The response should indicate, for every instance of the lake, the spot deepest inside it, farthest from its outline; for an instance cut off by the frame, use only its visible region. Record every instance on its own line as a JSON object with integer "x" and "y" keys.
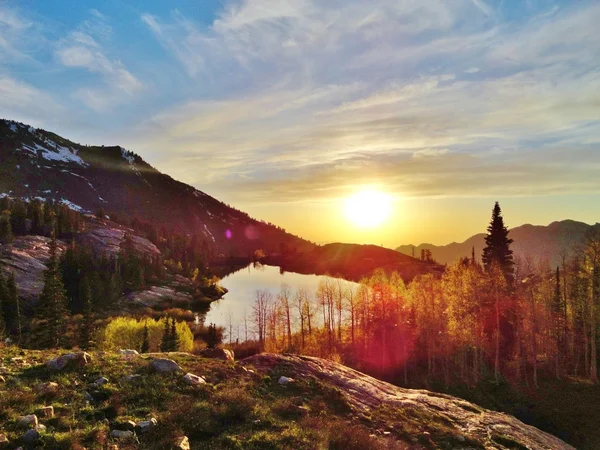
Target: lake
{"x": 242, "y": 286}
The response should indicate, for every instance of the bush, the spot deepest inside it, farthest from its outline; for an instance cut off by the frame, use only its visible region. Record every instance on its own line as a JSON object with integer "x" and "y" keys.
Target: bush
{"x": 127, "y": 332}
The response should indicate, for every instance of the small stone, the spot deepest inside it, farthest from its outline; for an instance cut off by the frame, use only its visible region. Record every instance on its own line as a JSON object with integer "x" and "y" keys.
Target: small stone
{"x": 31, "y": 436}
{"x": 192, "y": 379}
{"x": 2, "y": 379}
{"x": 30, "y": 420}
{"x": 145, "y": 425}
{"x": 41, "y": 427}
{"x": 3, "y": 439}
{"x": 113, "y": 447}
{"x": 47, "y": 388}
{"x": 285, "y": 380}
{"x": 100, "y": 381}
{"x": 47, "y": 411}
{"x": 460, "y": 438}
{"x": 217, "y": 353}
{"x": 386, "y": 433}
{"x": 120, "y": 434}
{"x": 182, "y": 443}
{"x": 132, "y": 377}
{"x": 129, "y": 353}
{"x": 164, "y": 365}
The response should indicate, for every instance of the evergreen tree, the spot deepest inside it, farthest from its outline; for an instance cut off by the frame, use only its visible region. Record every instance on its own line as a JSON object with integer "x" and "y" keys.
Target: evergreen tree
{"x": 18, "y": 217}
{"x": 497, "y": 248}
{"x": 174, "y": 338}
{"x": 146, "y": 339}
{"x": 13, "y": 308}
{"x": 52, "y": 307}
{"x": 6, "y": 235}
{"x": 87, "y": 324}
{"x": 3, "y": 299}
{"x": 166, "y": 337}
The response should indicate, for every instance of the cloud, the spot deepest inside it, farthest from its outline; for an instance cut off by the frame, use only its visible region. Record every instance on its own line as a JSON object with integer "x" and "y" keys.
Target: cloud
{"x": 81, "y": 49}
{"x": 21, "y": 101}
{"x": 430, "y": 98}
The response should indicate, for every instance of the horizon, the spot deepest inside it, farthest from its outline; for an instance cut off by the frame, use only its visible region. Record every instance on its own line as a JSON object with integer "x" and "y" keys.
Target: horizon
{"x": 286, "y": 110}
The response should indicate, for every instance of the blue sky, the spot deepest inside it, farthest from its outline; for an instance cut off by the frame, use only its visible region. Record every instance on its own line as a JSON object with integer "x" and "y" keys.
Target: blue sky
{"x": 283, "y": 107}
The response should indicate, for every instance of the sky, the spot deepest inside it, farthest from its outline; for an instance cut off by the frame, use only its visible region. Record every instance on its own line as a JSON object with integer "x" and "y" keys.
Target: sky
{"x": 284, "y": 108}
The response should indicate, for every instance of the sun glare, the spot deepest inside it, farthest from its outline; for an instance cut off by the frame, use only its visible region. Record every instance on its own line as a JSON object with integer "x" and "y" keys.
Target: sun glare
{"x": 368, "y": 208}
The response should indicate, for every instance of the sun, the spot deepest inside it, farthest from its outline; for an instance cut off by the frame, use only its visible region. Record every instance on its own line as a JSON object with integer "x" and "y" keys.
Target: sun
{"x": 368, "y": 208}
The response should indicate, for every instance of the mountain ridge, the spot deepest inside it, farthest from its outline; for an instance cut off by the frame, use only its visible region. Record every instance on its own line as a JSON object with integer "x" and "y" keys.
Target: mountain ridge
{"x": 543, "y": 243}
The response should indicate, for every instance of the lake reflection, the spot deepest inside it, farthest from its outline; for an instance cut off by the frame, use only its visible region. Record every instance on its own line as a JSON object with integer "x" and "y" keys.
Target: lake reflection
{"x": 242, "y": 286}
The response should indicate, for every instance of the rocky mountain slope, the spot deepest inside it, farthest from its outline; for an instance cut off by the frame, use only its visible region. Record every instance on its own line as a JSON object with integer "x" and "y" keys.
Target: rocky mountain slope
{"x": 542, "y": 243}
{"x": 177, "y": 400}
{"x": 39, "y": 164}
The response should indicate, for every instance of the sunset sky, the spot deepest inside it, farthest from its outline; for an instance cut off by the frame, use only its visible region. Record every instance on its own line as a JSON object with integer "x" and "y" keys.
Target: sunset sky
{"x": 284, "y": 108}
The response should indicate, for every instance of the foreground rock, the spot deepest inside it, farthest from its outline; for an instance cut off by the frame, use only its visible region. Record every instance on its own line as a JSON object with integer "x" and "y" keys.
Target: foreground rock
{"x": 364, "y": 393}
{"x": 163, "y": 365}
{"x": 218, "y": 353}
{"x": 26, "y": 259}
{"x": 78, "y": 359}
{"x": 193, "y": 380}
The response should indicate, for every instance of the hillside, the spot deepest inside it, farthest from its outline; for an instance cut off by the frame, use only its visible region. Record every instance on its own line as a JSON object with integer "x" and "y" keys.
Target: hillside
{"x": 542, "y": 243}
{"x": 355, "y": 261}
{"x": 146, "y": 402}
{"x": 39, "y": 164}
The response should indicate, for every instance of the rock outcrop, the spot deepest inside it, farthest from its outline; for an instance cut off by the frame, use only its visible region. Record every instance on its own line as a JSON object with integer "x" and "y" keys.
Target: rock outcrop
{"x": 26, "y": 259}
{"x": 364, "y": 394}
{"x": 157, "y": 295}
{"x": 107, "y": 240}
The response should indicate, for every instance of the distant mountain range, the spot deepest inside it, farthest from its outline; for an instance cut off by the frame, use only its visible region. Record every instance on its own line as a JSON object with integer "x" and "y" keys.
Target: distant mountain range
{"x": 541, "y": 243}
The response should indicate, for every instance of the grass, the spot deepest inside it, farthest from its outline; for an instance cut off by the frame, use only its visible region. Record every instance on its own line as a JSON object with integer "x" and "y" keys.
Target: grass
{"x": 235, "y": 410}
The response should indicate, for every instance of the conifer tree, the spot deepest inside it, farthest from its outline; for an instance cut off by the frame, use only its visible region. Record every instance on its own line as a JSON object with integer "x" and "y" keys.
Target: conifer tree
{"x": 174, "y": 338}
{"x": 87, "y": 324}
{"x": 146, "y": 339}
{"x": 6, "y": 235}
{"x": 52, "y": 307}
{"x": 13, "y": 308}
{"x": 165, "y": 342}
{"x": 497, "y": 250}
{"x": 3, "y": 299}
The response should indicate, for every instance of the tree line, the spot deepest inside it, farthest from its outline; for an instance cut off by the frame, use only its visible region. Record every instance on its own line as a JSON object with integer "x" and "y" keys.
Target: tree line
{"x": 502, "y": 318}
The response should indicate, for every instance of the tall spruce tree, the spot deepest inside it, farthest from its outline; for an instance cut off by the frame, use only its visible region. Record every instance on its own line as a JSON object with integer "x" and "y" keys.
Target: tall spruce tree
{"x": 87, "y": 323}
{"x": 13, "y": 317}
{"x": 497, "y": 249}
{"x": 145, "y": 339}
{"x": 174, "y": 342}
{"x": 3, "y": 299}
{"x": 6, "y": 235}
{"x": 52, "y": 308}
{"x": 165, "y": 343}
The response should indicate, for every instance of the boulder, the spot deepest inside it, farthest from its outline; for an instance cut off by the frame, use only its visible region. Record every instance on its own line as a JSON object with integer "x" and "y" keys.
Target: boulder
{"x": 285, "y": 380}
{"x": 132, "y": 377}
{"x": 164, "y": 365}
{"x": 120, "y": 434}
{"x": 47, "y": 388}
{"x": 47, "y": 411}
{"x": 193, "y": 380}
{"x": 218, "y": 353}
{"x": 182, "y": 443}
{"x": 78, "y": 359}
{"x": 129, "y": 353}
{"x": 101, "y": 381}
{"x": 29, "y": 421}
{"x": 145, "y": 425}
{"x": 31, "y": 436}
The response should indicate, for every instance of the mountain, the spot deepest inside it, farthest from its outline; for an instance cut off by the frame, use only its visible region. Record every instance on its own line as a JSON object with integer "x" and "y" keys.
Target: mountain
{"x": 39, "y": 164}
{"x": 542, "y": 243}
{"x": 267, "y": 401}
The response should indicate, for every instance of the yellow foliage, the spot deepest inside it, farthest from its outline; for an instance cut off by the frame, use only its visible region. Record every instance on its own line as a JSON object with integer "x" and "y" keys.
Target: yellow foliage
{"x": 127, "y": 332}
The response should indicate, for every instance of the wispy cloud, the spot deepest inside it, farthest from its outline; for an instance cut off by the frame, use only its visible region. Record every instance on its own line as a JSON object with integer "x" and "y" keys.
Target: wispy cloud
{"x": 81, "y": 49}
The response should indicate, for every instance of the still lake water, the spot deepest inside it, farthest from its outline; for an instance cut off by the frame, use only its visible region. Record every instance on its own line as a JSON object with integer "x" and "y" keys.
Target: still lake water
{"x": 242, "y": 286}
